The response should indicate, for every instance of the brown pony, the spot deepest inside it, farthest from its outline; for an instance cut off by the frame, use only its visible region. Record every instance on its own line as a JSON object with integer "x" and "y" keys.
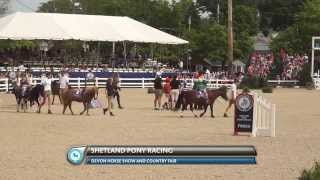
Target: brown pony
{"x": 85, "y": 96}
{"x": 189, "y": 97}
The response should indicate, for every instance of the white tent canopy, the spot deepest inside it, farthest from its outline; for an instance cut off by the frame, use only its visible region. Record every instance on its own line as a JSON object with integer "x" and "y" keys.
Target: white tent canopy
{"x": 52, "y": 26}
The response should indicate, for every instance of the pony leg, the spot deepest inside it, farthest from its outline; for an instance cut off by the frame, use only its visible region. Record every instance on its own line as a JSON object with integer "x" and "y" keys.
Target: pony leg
{"x": 205, "y": 110}
{"x": 70, "y": 109}
{"x": 60, "y": 99}
{"x": 184, "y": 107}
{"x": 53, "y": 99}
{"x": 24, "y": 106}
{"x": 64, "y": 108}
{"x": 191, "y": 109}
{"x": 39, "y": 106}
{"x": 181, "y": 113}
{"x": 87, "y": 107}
{"x": 227, "y": 109}
{"x": 18, "y": 105}
{"x": 84, "y": 108}
{"x": 211, "y": 109}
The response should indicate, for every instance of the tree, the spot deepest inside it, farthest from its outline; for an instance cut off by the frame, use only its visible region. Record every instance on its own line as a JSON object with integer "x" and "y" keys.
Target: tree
{"x": 278, "y": 14}
{"x": 297, "y": 37}
{"x": 209, "y": 42}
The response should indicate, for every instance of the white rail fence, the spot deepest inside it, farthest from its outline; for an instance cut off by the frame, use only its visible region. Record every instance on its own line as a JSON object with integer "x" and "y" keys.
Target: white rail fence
{"x": 6, "y": 86}
{"x": 264, "y": 115}
{"x": 284, "y": 82}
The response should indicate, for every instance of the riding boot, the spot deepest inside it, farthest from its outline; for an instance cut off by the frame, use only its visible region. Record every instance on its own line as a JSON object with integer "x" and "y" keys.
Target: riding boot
{"x": 49, "y": 111}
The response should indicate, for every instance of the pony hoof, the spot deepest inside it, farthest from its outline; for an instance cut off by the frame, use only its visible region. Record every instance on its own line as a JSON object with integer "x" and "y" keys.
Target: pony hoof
{"x": 196, "y": 116}
{"x": 181, "y": 116}
{"x": 212, "y": 116}
{"x": 225, "y": 115}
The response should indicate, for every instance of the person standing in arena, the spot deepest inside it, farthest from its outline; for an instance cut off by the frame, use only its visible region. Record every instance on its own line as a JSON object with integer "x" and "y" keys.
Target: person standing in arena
{"x": 116, "y": 88}
{"x": 158, "y": 92}
{"x": 64, "y": 81}
{"x": 232, "y": 93}
{"x": 167, "y": 92}
{"x": 110, "y": 94}
{"x": 46, "y": 80}
{"x": 175, "y": 89}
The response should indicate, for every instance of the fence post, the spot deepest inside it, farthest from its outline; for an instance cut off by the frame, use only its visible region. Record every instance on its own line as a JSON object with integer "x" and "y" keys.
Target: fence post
{"x": 143, "y": 83}
{"x": 97, "y": 82}
{"x": 79, "y": 80}
{"x": 7, "y": 84}
{"x": 254, "y": 123}
{"x": 273, "y": 121}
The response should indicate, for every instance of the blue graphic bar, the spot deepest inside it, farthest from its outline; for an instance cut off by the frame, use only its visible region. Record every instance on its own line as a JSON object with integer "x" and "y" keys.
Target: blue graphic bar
{"x": 112, "y": 160}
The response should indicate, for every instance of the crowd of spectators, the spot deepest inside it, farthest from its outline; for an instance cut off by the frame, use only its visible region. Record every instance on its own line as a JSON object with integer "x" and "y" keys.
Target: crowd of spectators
{"x": 292, "y": 65}
{"x": 260, "y": 64}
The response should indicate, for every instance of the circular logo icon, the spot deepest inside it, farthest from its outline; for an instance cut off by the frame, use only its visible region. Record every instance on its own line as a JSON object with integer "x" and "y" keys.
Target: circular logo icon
{"x": 75, "y": 156}
{"x": 244, "y": 102}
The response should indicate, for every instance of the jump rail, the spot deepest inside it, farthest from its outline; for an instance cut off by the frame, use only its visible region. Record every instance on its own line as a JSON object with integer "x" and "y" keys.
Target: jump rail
{"x": 6, "y": 86}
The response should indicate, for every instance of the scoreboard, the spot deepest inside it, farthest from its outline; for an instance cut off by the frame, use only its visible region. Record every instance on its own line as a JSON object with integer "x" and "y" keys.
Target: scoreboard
{"x": 161, "y": 155}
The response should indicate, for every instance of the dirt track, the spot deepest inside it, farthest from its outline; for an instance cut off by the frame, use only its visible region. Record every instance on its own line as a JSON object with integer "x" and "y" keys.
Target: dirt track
{"x": 33, "y": 146}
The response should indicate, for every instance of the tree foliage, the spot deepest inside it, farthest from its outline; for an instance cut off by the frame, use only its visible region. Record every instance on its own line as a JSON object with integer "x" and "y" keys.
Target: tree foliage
{"x": 297, "y": 37}
{"x": 207, "y": 38}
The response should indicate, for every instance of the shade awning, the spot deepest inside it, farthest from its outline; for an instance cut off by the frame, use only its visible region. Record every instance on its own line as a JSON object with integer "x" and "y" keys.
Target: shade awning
{"x": 53, "y": 26}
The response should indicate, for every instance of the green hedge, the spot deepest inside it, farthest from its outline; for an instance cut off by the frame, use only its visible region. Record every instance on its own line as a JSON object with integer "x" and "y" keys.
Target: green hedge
{"x": 253, "y": 82}
{"x": 267, "y": 90}
{"x": 304, "y": 75}
{"x": 311, "y": 174}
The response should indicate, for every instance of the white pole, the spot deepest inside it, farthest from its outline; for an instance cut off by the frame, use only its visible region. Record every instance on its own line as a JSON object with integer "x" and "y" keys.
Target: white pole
{"x": 273, "y": 122}
{"x": 97, "y": 82}
{"x": 312, "y": 57}
{"x": 7, "y": 84}
{"x": 254, "y": 123}
{"x": 125, "y": 53}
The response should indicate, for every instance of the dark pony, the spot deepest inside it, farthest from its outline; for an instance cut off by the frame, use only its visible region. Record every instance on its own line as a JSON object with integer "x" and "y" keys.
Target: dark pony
{"x": 85, "y": 96}
{"x": 190, "y": 98}
{"x": 55, "y": 90}
{"x": 25, "y": 94}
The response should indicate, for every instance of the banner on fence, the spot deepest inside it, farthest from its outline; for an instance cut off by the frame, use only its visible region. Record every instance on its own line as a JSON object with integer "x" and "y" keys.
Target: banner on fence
{"x": 243, "y": 119}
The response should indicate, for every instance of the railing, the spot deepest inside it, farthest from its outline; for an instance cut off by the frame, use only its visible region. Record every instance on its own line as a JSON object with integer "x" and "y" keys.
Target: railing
{"x": 5, "y": 86}
{"x": 283, "y": 82}
{"x": 56, "y": 69}
{"x": 264, "y": 115}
